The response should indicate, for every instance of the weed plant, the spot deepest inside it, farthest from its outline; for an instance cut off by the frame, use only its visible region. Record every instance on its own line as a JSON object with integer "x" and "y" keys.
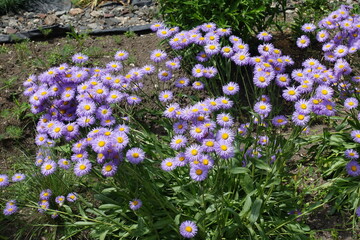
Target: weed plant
{"x": 152, "y": 152}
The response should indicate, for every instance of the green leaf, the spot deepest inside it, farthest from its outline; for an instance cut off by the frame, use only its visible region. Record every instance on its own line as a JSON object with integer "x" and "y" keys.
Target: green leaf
{"x": 84, "y": 223}
{"x": 109, "y": 206}
{"x": 255, "y": 210}
{"x": 238, "y": 170}
{"x": 246, "y": 207}
{"x": 261, "y": 164}
{"x": 246, "y": 183}
{"x": 102, "y": 236}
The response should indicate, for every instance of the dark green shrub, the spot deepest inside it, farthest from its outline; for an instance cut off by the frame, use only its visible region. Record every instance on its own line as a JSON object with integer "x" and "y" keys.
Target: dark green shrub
{"x": 10, "y": 5}
{"x": 243, "y": 16}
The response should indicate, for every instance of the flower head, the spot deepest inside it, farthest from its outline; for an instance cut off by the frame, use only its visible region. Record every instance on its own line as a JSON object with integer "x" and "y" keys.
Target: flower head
{"x": 18, "y": 177}
{"x": 135, "y": 204}
{"x": 188, "y": 229}
{"x": 4, "y": 180}
{"x": 135, "y": 155}
{"x": 353, "y": 168}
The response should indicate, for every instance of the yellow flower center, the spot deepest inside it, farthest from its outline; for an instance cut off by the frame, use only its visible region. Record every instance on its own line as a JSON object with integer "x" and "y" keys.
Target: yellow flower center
{"x": 194, "y": 152}
{"x": 198, "y": 172}
{"x": 82, "y": 167}
{"x": 135, "y": 155}
{"x": 101, "y": 143}
{"x": 169, "y": 164}
{"x": 301, "y": 117}
{"x": 48, "y": 167}
{"x": 108, "y": 168}
{"x": 224, "y": 147}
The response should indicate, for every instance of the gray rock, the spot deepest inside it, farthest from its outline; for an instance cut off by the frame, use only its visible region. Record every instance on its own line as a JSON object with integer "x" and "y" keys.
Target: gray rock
{"x": 95, "y": 26}
{"x": 9, "y": 30}
{"x": 75, "y": 11}
{"x": 59, "y": 13}
{"x": 12, "y": 22}
{"x": 29, "y": 14}
{"x": 50, "y": 19}
{"x": 36, "y": 20}
{"x": 66, "y": 18}
{"x": 112, "y": 21}
{"x": 96, "y": 14}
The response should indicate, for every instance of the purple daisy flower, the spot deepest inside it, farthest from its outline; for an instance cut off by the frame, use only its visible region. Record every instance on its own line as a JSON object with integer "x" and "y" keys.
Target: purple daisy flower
{"x": 9, "y": 210}
{"x": 351, "y": 103}
{"x": 182, "y": 82}
{"x": 198, "y": 172}
{"x": 231, "y": 88}
{"x": 165, "y": 96}
{"x": 168, "y": 164}
{"x": 303, "y": 41}
{"x": 193, "y": 152}
{"x": 197, "y": 85}
{"x": 227, "y": 51}
{"x": 82, "y": 167}
{"x": 121, "y": 55}
{"x": 197, "y": 70}
{"x": 324, "y": 92}
{"x": 109, "y": 169}
{"x": 300, "y": 119}
{"x": 64, "y": 163}
{"x": 60, "y": 200}
{"x": 262, "y": 108}
{"x": 178, "y": 141}
{"x": 135, "y": 155}
{"x": 18, "y": 177}
{"x": 79, "y": 58}
{"x": 341, "y": 51}
{"x": 133, "y": 100}
{"x": 353, "y": 168}
{"x": 303, "y": 106}
{"x": 291, "y": 94}
{"x": 225, "y": 134}
{"x": 261, "y": 79}
{"x": 158, "y": 56}
{"x": 241, "y": 58}
{"x": 224, "y": 149}
{"x": 351, "y": 154}
{"x": 224, "y": 120}
{"x": 355, "y": 134}
{"x": 135, "y": 204}
{"x": 308, "y": 27}
{"x": 188, "y": 229}
{"x": 48, "y": 167}
{"x": 45, "y": 194}
{"x": 264, "y": 36}
{"x": 358, "y": 211}
{"x": 71, "y": 197}
{"x": 156, "y": 26}
{"x": 322, "y": 36}
{"x": 4, "y": 180}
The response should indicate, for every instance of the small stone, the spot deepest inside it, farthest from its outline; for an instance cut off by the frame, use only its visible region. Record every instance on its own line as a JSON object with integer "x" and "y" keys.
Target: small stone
{"x": 93, "y": 26}
{"x": 75, "y": 11}
{"x": 108, "y": 15}
{"x": 21, "y": 19}
{"x": 50, "y": 19}
{"x": 112, "y": 21}
{"x": 9, "y": 30}
{"x": 36, "y": 20}
{"x": 41, "y": 15}
{"x": 12, "y": 23}
{"x": 96, "y": 14}
{"x": 29, "y": 14}
{"x": 59, "y": 13}
{"x": 66, "y": 18}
